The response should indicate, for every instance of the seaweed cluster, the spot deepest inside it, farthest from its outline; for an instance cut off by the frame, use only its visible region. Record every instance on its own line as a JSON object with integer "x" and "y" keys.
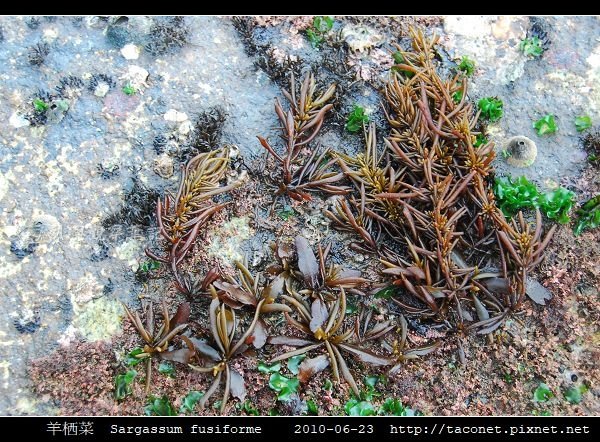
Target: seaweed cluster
{"x": 37, "y": 53}
{"x": 167, "y": 34}
{"x": 424, "y": 206}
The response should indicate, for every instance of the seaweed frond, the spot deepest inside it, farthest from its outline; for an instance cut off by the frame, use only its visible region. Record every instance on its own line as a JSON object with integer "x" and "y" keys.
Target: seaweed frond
{"x": 181, "y": 216}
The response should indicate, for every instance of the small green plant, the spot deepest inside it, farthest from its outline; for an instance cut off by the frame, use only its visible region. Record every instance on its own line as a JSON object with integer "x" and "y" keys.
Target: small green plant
{"x": 399, "y": 59}
{"x": 128, "y": 89}
{"x": 149, "y": 266}
{"x": 167, "y": 369}
{"x": 542, "y": 393}
{"x": 312, "y": 407}
{"x": 355, "y": 407}
{"x": 370, "y": 392}
{"x": 531, "y": 47}
{"x": 541, "y": 413}
{"x": 574, "y": 394}
{"x": 480, "y": 140}
{"x": 321, "y": 26}
{"x": 467, "y": 66}
{"x": 189, "y": 402}
{"x": 387, "y": 292}
{"x": 356, "y": 119}
{"x": 516, "y": 194}
{"x": 588, "y": 216}
{"x": 123, "y": 384}
{"x": 491, "y": 108}
{"x": 557, "y": 204}
{"x": 286, "y": 213}
{"x": 285, "y": 387}
{"x": 394, "y": 407}
{"x": 351, "y": 308}
{"x": 131, "y": 360}
{"x": 327, "y": 385}
{"x": 266, "y": 368}
{"x": 545, "y": 125}
{"x": 293, "y": 362}
{"x": 40, "y": 105}
{"x": 249, "y": 409}
{"x": 583, "y": 123}
{"x": 159, "y": 406}
{"x": 457, "y": 96}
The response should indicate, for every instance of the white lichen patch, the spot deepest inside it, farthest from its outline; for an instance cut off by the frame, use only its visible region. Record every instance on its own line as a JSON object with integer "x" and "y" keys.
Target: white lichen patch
{"x": 85, "y": 288}
{"x": 26, "y": 405}
{"x": 17, "y": 120}
{"x": 226, "y": 240}
{"x": 129, "y": 251}
{"x": 3, "y": 186}
{"x": 5, "y": 373}
{"x": 130, "y": 51}
{"x": 9, "y": 268}
{"x": 163, "y": 166}
{"x": 54, "y": 175}
{"x": 361, "y": 38}
{"x": 175, "y": 116}
{"x": 98, "y": 319}
{"x": 492, "y": 41}
{"x": 136, "y": 76}
{"x": 102, "y": 89}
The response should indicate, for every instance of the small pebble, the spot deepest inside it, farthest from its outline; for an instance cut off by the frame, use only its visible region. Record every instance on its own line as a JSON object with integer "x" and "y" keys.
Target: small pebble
{"x": 130, "y": 52}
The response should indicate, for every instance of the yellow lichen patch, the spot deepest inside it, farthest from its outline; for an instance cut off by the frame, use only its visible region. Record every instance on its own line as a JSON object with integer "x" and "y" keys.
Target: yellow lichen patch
{"x": 26, "y": 405}
{"x": 98, "y": 319}
{"x": 226, "y": 240}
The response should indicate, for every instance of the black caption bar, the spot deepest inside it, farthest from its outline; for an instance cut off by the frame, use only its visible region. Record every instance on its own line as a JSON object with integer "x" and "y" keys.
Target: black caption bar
{"x": 305, "y": 428}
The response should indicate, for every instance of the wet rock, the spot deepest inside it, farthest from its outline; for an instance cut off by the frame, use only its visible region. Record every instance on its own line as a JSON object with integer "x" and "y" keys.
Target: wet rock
{"x": 94, "y": 22}
{"x": 119, "y": 104}
{"x": 84, "y": 289}
{"x": 521, "y": 151}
